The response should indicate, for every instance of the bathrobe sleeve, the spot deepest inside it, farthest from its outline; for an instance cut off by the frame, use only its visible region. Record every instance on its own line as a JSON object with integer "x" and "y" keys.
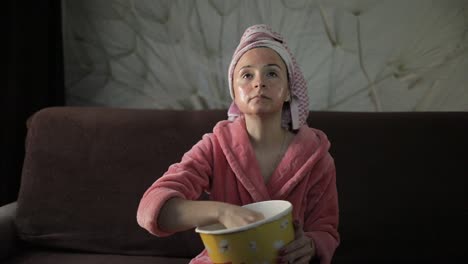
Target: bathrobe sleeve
{"x": 186, "y": 179}
{"x": 321, "y": 216}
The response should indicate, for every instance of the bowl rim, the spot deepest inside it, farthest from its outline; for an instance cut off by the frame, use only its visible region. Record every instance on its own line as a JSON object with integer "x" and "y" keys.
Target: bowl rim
{"x": 249, "y": 226}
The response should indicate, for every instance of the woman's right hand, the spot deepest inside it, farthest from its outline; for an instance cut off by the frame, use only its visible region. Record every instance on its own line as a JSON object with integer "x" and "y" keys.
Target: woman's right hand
{"x": 179, "y": 214}
{"x": 232, "y": 216}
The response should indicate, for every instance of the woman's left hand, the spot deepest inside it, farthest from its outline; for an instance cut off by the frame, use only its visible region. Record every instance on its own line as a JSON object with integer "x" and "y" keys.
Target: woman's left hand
{"x": 300, "y": 250}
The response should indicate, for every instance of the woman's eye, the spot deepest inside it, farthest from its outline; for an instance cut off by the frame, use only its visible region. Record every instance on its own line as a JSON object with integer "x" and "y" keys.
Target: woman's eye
{"x": 246, "y": 76}
{"x": 272, "y": 74}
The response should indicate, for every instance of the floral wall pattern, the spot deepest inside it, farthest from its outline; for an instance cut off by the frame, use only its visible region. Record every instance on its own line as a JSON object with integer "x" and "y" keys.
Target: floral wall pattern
{"x": 368, "y": 55}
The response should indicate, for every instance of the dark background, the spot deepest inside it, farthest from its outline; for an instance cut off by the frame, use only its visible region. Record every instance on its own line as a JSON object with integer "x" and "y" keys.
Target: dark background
{"x": 35, "y": 74}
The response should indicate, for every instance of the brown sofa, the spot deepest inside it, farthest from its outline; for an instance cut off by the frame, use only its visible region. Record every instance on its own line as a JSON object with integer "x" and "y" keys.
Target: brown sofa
{"x": 402, "y": 184}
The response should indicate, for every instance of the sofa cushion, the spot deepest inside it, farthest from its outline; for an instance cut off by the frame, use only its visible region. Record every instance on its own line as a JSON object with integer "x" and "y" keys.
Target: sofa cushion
{"x": 62, "y": 257}
{"x": 85, "y": 171}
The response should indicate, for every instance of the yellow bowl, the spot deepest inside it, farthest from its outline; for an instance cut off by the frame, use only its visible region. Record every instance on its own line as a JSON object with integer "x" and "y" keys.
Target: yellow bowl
{"x": 258, "y": 242}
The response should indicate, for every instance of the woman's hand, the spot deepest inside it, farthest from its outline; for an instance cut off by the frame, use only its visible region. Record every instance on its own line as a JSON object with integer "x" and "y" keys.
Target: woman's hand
{"x": 300, "y": 250}
{"x": 232, "y": 216}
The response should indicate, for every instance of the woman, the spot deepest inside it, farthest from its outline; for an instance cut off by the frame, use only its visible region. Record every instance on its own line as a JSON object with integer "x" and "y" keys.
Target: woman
{"x": 265, "y": 152}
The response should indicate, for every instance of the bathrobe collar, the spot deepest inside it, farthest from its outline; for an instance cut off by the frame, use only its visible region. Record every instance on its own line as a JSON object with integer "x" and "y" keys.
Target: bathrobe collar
{"x": 305, "y": 150}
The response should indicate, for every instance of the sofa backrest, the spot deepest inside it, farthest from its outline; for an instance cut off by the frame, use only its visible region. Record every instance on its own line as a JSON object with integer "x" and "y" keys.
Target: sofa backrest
{"x": 86, "y": 169}
{"x": 402, "y": 182}
{"x": 401, "y": 178}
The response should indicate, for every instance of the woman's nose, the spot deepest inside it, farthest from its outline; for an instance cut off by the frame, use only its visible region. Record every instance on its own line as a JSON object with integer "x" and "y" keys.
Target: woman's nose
{"x": 259, "y": 82}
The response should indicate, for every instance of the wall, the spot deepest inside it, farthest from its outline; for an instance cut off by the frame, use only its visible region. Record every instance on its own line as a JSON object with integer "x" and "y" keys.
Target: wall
{"x": 381, "y": 55}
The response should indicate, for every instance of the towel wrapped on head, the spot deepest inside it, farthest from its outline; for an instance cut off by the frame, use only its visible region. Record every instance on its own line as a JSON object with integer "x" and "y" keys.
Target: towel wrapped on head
{"x": 296, "y": 110}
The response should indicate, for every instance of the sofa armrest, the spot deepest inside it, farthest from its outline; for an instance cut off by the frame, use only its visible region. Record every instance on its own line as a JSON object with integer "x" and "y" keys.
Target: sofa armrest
{"x": 8, "y": 234}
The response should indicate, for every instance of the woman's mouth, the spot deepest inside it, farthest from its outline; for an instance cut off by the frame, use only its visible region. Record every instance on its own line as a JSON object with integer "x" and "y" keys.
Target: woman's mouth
{"x": 259, "y": 97}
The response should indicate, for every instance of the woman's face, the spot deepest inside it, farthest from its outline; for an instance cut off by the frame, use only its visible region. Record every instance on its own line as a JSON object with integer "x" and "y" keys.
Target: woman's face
{"x": 260, "y": 82}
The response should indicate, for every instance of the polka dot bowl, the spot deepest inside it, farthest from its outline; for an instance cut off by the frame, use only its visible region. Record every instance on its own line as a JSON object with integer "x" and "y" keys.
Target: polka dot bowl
{"x": 258, "y": 242}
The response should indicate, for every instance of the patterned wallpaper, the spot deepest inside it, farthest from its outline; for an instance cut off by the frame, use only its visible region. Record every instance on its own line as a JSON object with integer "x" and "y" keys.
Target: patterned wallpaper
{"x": 369, "y": 55}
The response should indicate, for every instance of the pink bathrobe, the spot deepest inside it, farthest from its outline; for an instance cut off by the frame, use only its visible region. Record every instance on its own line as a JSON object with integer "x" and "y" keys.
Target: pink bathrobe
{"x": 223, "y": 164}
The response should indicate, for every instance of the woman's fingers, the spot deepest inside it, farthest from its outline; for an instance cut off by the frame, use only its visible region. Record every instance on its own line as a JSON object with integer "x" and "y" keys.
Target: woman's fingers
{"x": 232, "y": 216}
{"x": 303, "y": 260}
{"x": 298, "y": 241}
{"x": 294, "y": 245}
{"x": 299, "y": 250}
{"x": 300, "y": 254}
